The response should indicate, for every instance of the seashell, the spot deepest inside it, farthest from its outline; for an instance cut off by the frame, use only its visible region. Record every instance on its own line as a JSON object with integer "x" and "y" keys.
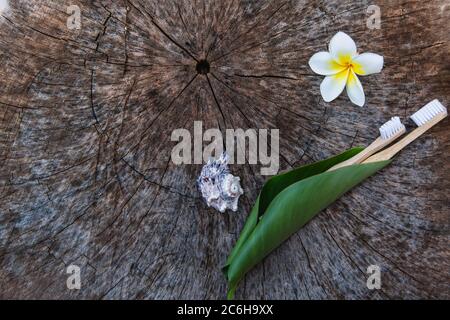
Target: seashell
{"x": 220, "y": 189}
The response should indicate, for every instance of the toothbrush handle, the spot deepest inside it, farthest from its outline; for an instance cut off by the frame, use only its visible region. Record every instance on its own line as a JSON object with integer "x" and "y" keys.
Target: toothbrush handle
{"x": 377, "y": 145}
{"x": 390, "y": 152}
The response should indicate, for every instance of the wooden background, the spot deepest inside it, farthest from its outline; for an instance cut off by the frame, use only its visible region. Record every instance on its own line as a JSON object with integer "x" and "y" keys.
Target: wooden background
{"x": 85, "y": 123}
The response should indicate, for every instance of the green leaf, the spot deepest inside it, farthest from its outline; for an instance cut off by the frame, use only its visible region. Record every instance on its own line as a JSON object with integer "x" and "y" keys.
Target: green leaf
{"x": 277, "y": 184}
{"x": 286, "y": 203}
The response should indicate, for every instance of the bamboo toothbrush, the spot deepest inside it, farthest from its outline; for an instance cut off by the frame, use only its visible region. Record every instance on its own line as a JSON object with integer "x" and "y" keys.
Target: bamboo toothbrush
{"x": 425, "y": 119}
{"x": 389, "y": 132}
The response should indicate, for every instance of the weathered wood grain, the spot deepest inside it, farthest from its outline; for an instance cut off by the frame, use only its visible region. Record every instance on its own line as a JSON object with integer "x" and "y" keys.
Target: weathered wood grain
{"x": 85, "y": 123}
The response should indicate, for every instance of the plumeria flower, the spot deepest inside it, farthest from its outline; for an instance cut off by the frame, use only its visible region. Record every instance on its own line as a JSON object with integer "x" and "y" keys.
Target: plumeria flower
{"x": 341, "y": 66}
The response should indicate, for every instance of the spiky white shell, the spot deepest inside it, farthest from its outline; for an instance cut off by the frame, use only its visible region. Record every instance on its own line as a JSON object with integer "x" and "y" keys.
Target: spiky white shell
{"x": 220, "y": 189}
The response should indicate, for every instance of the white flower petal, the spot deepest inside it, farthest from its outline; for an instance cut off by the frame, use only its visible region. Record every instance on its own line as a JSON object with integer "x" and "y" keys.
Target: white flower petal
{"x": 332, "y": 86}
{"x": 342, "y": 48}
{"x": 355, "y": 90}
{"x": 323, "y": 63}
{"x": 367, "y": 63}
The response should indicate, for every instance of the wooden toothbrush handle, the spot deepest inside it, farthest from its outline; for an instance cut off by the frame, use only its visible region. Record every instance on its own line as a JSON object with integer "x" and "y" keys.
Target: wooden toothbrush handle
{"x": 390, "y": 152}
{"x": 377, "y": 145}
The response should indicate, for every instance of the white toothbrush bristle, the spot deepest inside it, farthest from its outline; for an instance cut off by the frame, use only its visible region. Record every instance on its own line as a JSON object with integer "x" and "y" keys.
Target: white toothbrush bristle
{"x": 428, "y": 112}
{"x": 391, "y": 128}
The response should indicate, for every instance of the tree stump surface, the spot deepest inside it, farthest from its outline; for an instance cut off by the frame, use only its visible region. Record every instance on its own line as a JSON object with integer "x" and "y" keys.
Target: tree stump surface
{"x": 86, "y": 118}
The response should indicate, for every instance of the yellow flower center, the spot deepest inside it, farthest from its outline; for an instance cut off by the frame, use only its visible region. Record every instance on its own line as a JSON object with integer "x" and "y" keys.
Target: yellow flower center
{"x": 344, "y": 64}
{"x": 348, "y": 63}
